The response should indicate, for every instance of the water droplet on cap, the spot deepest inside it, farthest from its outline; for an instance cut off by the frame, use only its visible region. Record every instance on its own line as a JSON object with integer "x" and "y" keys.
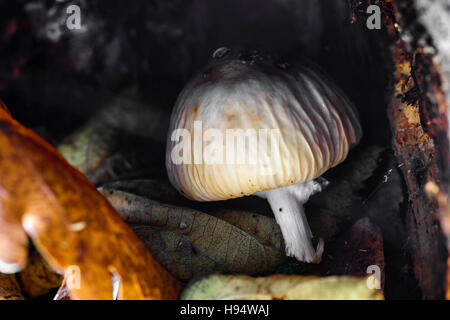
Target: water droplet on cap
{"x": 221, "y": 52}
{"x": 282, "y": 64}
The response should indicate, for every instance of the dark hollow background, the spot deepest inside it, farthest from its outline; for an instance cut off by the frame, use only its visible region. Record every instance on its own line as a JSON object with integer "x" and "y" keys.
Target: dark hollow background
{"x": 55, "y": 78}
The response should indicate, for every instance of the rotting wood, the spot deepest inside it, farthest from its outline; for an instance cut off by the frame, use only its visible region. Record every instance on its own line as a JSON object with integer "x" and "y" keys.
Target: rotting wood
{"x": 418, "y": 113}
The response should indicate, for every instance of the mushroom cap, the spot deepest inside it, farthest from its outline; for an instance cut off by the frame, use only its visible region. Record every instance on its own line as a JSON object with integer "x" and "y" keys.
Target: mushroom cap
{"x": 241, "y": 90}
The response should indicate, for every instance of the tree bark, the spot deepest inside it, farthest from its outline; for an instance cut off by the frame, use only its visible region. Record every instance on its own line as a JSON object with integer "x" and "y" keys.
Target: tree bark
{"x": 418, "y": 112}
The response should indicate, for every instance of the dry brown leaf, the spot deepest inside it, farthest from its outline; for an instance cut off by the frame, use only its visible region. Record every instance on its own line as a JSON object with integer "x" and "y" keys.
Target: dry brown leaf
{"x": 280, "y": 287}
{"x": 9, "y": 287}
{"x": 262, "y": 228}
{"x": 70, "y": 223}
{"x": 37, "y": 279}
{"x": 177, "y": 254}
{"x": 158, "y": 190}
{"x": 189, "y": 242}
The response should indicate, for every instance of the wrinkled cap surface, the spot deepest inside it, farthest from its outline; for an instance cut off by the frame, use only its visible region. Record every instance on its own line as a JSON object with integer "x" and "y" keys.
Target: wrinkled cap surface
{"x": 307, "y": 123}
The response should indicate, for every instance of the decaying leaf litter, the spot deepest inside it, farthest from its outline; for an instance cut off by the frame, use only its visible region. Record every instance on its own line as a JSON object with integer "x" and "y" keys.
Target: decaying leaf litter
{"x": 10, "y": 288}
{"x": 189, "y": 242}
{"x": 38, "y": 279}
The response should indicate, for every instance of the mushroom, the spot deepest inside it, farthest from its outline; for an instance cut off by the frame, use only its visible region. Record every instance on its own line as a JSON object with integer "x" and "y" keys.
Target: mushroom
{"x": 250, "y": 96}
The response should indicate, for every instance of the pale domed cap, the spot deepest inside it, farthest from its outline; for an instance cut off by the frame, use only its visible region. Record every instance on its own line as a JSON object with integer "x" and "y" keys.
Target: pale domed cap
{"x": 316, "y": 123}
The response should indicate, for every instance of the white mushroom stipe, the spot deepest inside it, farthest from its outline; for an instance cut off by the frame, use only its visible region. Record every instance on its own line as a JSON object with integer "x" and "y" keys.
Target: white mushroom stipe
{"x": 249, "y": 92}
{"x": 287, "y": 206}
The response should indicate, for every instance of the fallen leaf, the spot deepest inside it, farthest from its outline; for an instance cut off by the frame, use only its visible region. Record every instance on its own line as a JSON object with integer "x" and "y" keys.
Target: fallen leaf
{"x": 178, "y": 255}
{"x": 279, "y": 287}
{"x": 189, "y": 242}
{"x": 87, "y": 148}
{"x": 97, "y": 152}
{"x": 70, "y": 222}
{"x": 265, "y": 229}
{"x": 9, "y": 287}
{"x": 92, "y": 147}
{"x": 159, "y": 190}
{"x": 37, "y": 279}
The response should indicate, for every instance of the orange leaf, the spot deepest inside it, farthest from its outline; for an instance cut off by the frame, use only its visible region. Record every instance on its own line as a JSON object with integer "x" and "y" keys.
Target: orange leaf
{"x": 72, "y": 225}
{"x": 9, "y": 287}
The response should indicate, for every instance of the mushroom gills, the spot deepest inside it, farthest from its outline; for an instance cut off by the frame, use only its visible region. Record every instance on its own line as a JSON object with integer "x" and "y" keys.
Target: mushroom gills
{"x": 287, "y": 206}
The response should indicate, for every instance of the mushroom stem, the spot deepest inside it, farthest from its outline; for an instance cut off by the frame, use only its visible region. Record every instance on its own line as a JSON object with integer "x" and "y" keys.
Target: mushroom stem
{"x": 287, "y": 206}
